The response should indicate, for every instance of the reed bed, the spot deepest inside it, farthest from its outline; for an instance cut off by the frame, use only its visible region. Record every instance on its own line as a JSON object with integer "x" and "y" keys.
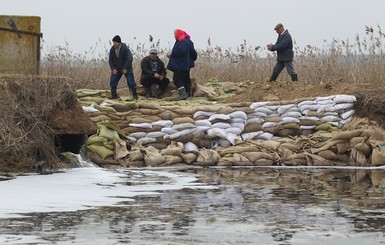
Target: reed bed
{"x": 360, "y": 61}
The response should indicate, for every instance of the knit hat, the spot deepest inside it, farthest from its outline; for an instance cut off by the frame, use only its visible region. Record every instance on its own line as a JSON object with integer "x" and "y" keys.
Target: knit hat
{"x": 153, "y": 51}
{"x": 117, "y": 39}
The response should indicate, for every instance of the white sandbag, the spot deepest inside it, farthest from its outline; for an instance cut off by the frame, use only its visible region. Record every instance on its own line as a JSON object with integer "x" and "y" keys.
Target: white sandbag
{"x": 224, "y": 143}
{"x": 269, "y": 124}
{"x": 238, "y": 114}
{"x": 141, "y": 125}
{"x": 183, "y": 126}
{"x": 138, "y": 135}
{"x": 322, "y": 108}
{"x": 256, "y": 105}
{"x": 321, "y": 98}
{"x": 257, "y": 115}
{"x": 168, "y": 130}
{"x": 344, "y": 121}
{"x": 330, "y": 119}
{"x": 254, "y": 120}
{"x": 306, "y": 102}
{"x": 180, "y": 133}
{"x": 221, "y": 125}
{"x": 241, "y": 126}
{"x": 146, "y": 140}
{"x": 203, "y": 113}
{"x": 203, "y": 128}
{"x": 288, "y": 120}
{"x": 330, "y": 109}
{"x": 343, "y": 98}
{"x": 219, "y": 117}
{"x": 329, "y": 113}
{"x": 326, "y": 102}
{"x": 89, "y": 109}
{"x": 216, "y": 133}
{"x": 265, "y": 136}
{"x": 234, "y": 130}
{"x": 304, "y": 127}
{"x": 273, "y": 114}
{"x": 263, "y": 110}
{"x": 132, "y": 139}
{"x": 163, "y": 123}
{"x": 284, "y": 108}
{"x": 204, "y": 122}
{"x": 238, "y": 120}
{"x": 295, "y": 114}
{"x": 310, "y": 118}
{"x": 313, "y": 107}
{"x": 156, "y": 134}
{"x": 251, "y": 135}
{"x": 344, "y": 106}
{"x": 347, "y": 114}
{"x": 272, "y": 107}
{"x": 233, "y": 138}
{"x": 190, "y": 147}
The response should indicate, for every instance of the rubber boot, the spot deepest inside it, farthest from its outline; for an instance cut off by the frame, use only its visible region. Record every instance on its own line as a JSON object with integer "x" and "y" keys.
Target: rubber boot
{"x": 114, "y": 94}
{"x": 159, "y": 93}
{"x": 148, "y": 92}
{"x": 182, "y": 94}
{"x": 273, "y": 77}
{"x": 294, "y": 77}
{"x": 134, "y": 94}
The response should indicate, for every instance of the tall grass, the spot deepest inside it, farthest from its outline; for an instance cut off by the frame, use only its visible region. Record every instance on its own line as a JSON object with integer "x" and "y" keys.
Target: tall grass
{"x": 360, "y": 61}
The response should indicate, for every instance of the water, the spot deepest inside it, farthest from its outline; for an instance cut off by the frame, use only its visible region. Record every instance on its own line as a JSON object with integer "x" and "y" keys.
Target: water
{"x": 195, "y": 206}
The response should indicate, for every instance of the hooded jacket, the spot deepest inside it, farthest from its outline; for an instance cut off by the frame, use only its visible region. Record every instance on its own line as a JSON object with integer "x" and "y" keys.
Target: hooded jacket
{"x": 124, "y": 61}
{"x": 284, "y": 47}
{"x": 183, "y": 54}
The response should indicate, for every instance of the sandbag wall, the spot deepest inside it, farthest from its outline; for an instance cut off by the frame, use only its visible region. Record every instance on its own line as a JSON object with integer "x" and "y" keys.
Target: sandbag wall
{"x": 260, "y": 133}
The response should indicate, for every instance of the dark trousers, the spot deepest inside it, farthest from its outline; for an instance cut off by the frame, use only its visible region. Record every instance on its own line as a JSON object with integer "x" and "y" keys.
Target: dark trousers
{"x": 114, "y": 80}
{"x": 148, "y": 80}
{"x": 182, "y": 79}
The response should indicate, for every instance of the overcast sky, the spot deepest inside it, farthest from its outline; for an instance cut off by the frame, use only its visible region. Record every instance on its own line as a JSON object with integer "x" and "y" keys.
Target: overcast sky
{"x": 85, "y": 23}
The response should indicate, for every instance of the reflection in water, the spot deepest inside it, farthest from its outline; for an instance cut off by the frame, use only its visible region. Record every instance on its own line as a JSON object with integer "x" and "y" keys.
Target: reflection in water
{"x": 250, "y": 206}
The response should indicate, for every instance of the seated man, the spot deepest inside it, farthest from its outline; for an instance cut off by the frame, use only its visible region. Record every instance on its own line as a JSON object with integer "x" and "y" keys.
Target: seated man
{"x": 153, "y": 72}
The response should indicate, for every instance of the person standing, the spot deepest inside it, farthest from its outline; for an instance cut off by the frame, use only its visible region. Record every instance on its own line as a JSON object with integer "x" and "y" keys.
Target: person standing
{"x": 153, "y": 72}
{"x": 120, "y": 61}
{"x": 285, "y": 54}
{"x": 182, "y": 58}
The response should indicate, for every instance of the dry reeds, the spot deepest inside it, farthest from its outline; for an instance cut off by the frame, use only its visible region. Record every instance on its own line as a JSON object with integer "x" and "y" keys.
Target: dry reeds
{"x": 360, "y": 61}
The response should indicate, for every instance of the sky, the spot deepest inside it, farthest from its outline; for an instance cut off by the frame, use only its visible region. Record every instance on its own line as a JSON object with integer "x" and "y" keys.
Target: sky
{"x": 86, "y": 24}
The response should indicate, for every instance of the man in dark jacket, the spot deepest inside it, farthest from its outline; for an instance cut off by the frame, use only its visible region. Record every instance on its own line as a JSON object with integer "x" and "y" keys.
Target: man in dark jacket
{"x": 182, "y": 59}
{"x": 153, "y": 72}
{"x": 285, "y": 54}
{"x": 120, "y": 61}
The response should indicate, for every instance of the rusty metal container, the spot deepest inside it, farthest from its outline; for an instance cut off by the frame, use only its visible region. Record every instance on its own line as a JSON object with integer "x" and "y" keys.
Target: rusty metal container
{"x": 20, "y": 44}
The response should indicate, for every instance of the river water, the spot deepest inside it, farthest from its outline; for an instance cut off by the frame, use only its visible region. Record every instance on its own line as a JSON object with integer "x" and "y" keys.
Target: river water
{"x": 183, "y": 205}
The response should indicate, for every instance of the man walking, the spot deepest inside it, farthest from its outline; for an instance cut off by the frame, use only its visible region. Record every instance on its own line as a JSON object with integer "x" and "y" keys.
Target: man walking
{"x": 285, "y": 54}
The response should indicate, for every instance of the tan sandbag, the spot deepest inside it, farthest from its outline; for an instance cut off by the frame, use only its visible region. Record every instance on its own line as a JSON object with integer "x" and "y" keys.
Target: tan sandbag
{"x": 152, "y": 157}
{"x": 158, "y": 145}
{"x": 237, "y": 149}
{"x": 172, "y": 150}
{"x": 181, "y": 120}
{"x": 202, "y": 143}
{"x": 207, "y": 157}
{"x": 138, "y": 119}
{"x": 378, "y": 178}
{"x": 273, "y": 119}
{"x": 273, "y": 130}
{"x": 152, "y": 106}
{"x": 323, "y": 127}
{"x": 270, "y": 145}
{"x": 252, "y": 127}
{"x": 364, "y": 148}
{"x": 343, "y": 158}
{"x": 120, "y": 150}
{"x": 104, "y": 108}
{"x": 97, "y": 100}
{"x": 125, "y": 162}
{"x": 378, "y": 156}
{"x": 112, "y": 125}
{"x": 102, "y": 151}
{"x": 99, "y": 118}
{"x": 185, "y": 111}
{"x": 346, "y": 135}
{"x": 263, "y": 162}
{"x": 189, "y": 158}
{"x": 290, "y": 126}
{"x": 96, "y": 139}
{"x": 256, "y": 155}
{"x": 327, "y": 145}
{"x": 95, "y": 158}
{"x": 290, "y": 146}
{"x": 355, "y": 140}
{"x": 131, "y": 104}
{"x": 358, "y": 157}
{"x": 136, "y": 155}
{"x": 168, "y": 115}
{"x": 224, "y": 162}
{"x": 169, "y": 160}
{"x": 226, "y": 110}
{"x": 239, "y": 160}
{"x": 342, "y": 147}
{"x": 288, "y": 132}
{"x": 308, "y": 122}
{"x": 149, "y": 111}
{"x": 327, "y": 154}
